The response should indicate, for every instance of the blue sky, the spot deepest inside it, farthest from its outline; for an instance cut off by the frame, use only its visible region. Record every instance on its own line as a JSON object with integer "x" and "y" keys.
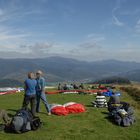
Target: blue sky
{"x": 81, "y": 29}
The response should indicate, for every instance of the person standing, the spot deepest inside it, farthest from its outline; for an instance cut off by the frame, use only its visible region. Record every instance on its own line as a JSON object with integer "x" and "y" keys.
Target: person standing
{"x": 40, "y": 92}
{"x": 30, "y": 92}
{"x": 81, "y": 86}
{"x": 60, "y": 87}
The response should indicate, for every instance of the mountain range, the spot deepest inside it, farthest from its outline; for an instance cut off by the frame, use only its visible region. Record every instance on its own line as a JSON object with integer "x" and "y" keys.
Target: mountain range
{"x": 59, "y": 69}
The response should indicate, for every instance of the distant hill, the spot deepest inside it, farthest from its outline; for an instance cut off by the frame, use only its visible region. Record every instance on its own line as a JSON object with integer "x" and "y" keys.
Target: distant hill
{"x": 71, "y": 69}
{"x": 133, "y": 75}
{"x": 59, "y": 69}
{"x": 10, "y": 83}
{"x": 113, "y": 80}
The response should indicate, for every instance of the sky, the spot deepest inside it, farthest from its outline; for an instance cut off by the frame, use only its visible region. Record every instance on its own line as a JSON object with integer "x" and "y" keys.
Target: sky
{"x": 88, "y": 30}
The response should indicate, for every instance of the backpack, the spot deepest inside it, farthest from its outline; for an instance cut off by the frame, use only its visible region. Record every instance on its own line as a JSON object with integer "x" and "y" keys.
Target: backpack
{"x": 24, "y": 121}
{"x": 122, "y": 117}
{"x": 35, "y": 123}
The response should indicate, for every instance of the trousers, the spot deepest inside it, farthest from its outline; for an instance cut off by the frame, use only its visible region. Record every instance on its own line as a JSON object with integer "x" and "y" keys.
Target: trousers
{"x": 32, "y": 100}
{"x": 42, "y": 96}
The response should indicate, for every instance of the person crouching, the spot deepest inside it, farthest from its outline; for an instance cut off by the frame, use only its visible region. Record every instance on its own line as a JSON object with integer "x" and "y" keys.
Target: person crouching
{"x": 100, "y": 101}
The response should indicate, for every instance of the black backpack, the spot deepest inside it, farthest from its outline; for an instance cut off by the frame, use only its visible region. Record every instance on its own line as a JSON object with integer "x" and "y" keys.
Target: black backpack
{"x": 35, "y": 123}
{"x": 24, "y": 121}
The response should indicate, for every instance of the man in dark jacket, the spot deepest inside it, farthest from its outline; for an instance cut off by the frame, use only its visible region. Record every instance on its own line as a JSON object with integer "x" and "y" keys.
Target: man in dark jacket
{"x": 114, "y": 99}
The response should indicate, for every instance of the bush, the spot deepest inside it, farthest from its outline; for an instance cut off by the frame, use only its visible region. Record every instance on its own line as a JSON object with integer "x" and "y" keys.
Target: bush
{"x": 133, "y": 92}
{"x": 113, "y": 80}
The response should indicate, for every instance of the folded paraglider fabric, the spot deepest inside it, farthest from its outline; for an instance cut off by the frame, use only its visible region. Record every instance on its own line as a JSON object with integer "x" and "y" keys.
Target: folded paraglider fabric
{"x": 75, "y": 108}
{"x": 59, "y": 110}
{"x": 67, "y": 108}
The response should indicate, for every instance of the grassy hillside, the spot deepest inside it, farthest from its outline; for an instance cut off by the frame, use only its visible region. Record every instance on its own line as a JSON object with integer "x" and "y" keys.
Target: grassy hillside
{"x": 91, "y": 125}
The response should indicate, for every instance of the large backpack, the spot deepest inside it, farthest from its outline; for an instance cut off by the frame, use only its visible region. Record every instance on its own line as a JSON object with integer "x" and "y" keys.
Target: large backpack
{"x": 35, "y": 123}
{"x": 121, "y": 118}
{"x": 24, "y": 121}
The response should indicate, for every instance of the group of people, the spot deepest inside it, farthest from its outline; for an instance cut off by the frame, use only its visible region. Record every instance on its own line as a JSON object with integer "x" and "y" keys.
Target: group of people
{"x": 101, "y": 100}
{"x": 70, "y": 86}
{"x": 120, "y": 112}
{"x": 34, "y": 87}
{"x": 25, "y": 119}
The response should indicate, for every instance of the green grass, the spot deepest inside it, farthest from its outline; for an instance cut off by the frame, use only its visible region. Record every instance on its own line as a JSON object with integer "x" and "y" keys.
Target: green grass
{"x": 91, "y": 125}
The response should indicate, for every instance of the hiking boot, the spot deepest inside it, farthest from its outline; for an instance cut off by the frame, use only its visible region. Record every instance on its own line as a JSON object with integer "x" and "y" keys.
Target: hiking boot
{"x": 49, "y": 113}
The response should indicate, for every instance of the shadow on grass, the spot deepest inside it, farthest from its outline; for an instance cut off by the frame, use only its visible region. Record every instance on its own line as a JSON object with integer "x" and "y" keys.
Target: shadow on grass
{"x": 45, "y": 113}
{"x": 89, "y": 106}
{"x": 108, "y": 118}
{"x": 104, "y": 112}
{"x": 11, "y": 115}
{"x": 13, "y": 110}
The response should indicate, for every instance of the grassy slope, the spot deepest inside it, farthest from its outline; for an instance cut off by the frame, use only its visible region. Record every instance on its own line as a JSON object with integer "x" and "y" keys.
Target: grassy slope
{"x": 91, "y": 125}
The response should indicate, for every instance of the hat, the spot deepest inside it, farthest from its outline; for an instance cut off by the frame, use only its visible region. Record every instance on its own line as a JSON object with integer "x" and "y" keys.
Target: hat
{"x": 39, "y": 72}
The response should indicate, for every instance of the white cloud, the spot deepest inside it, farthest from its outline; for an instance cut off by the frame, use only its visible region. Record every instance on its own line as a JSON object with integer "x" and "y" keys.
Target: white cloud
{"x": 95, "y": 37}
{"x": 137, "y": 27}
{"x": 129, "y": 52}
{"x": 92, "y": 42}
{"x": 15, "y": 14}
{"x": 11, "y": 38}
{"x": 138, "y": 22}
{"x": 117, "y": 22}
{"x": 115, "y": 19}
{"x": 89, "y": 45}
{"x": 18, "y": 43}
{"x": 6, "y": 36}
{"x": 1, "y": 12}
{"x": 130, "y": 12}
{"x": 38, "y": 48}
